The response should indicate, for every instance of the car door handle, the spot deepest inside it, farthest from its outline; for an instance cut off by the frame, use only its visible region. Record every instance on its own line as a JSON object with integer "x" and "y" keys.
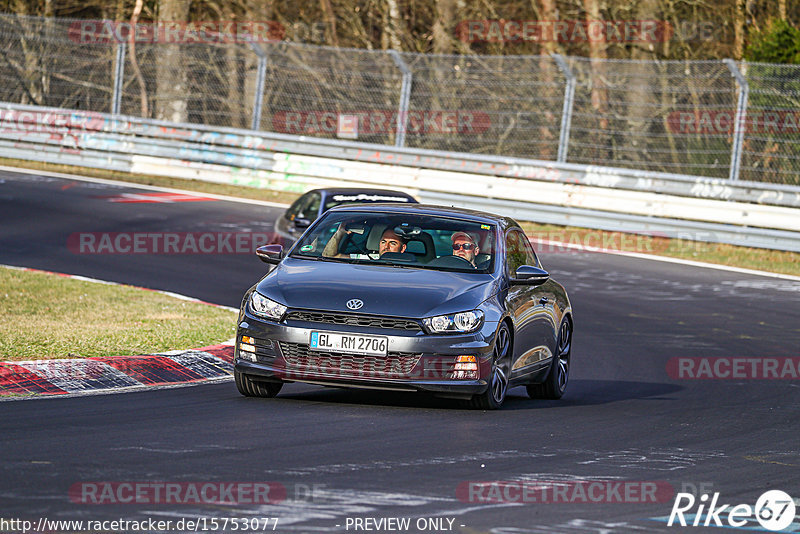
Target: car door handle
{"x": 543, "y": 300}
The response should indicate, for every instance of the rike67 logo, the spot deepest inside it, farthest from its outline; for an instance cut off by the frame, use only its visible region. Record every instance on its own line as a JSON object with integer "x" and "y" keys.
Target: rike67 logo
{"x": 774, "y": 510}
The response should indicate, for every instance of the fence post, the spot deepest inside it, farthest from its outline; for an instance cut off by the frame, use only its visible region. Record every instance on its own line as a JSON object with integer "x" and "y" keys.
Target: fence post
{"x": 739, "y": 125}
{"x": 405, "y": 97}
{"x": 261, "y": 77}
{"x": 119, "y": 74}
{"x": 566, "y": 111}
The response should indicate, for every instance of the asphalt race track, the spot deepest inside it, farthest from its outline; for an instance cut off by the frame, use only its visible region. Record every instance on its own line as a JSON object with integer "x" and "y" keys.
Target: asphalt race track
{"x": 334, "y": 457}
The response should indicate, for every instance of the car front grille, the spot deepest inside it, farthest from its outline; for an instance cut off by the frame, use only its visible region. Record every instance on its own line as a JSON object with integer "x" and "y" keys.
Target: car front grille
{"x": 367, "y": 321}
{"x": 394, "y": 365}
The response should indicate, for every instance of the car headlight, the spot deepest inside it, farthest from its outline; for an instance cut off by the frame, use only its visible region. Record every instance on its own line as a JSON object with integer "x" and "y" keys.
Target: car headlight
{"x": 264, "y": 307}
{"x": 463, "y": 322}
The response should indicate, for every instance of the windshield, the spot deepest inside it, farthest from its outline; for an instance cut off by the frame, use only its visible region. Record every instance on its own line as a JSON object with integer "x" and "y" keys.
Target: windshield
{"x": 401, "y": 240}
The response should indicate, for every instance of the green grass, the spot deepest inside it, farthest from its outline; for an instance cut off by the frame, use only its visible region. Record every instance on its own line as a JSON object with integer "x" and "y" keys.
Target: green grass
{"x": 744, "y": 257}
{"x": 45, "y": 316}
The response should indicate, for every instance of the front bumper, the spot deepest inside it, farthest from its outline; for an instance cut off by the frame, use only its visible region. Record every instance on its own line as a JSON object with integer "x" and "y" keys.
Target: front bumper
{"x": 416, "y": 361}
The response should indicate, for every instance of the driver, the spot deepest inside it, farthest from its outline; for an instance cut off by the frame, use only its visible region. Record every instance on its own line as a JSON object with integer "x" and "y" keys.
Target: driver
{"x": 465, "y": 246}
{"x": 390, "y": 242}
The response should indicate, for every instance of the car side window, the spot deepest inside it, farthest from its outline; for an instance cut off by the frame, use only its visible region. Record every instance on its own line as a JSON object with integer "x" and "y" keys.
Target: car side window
{"x": 311, "y": 208}
{"x": 518, "y": 251}
{"x": 295, "y": 208}
{"x": 529, "y": 252}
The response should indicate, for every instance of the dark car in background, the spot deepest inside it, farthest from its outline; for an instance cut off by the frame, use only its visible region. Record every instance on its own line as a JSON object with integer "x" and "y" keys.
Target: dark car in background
{"x": 419, "y": 318}
{"x": 306, "y": 209}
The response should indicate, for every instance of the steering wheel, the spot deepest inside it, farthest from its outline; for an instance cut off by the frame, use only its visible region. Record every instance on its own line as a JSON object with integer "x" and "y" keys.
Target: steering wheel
{"x": 454, "y": 262}
{"x": 463, "y": 260}
{"x": 346, "y": 240}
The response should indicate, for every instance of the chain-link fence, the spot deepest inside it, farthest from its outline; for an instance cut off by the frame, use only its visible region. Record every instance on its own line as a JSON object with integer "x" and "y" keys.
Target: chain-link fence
{"x": 719, "y": 119}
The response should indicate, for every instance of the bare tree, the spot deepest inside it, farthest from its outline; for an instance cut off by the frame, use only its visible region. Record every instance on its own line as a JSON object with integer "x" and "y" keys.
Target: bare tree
{"x": 597, "y": 54}
{"x": 137, "y": 72}
{"x": 171, "y": 77}
{"x": 739, "y": 20}
{"x": 393, "y": 26}
{"x": 548, "y": 12}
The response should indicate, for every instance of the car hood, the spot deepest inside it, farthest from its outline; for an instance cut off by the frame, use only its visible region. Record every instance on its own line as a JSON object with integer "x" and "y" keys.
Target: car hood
{"x": 385, "y": 290}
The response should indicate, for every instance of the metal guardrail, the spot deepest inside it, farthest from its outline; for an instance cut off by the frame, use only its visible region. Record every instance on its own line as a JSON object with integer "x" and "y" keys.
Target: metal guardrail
{"x": 741, "y": 213}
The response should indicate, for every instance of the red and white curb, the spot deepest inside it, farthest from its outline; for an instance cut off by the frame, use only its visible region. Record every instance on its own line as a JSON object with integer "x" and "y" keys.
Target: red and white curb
{"x": 95, "y": 375}
{"x": 106, "y": 374}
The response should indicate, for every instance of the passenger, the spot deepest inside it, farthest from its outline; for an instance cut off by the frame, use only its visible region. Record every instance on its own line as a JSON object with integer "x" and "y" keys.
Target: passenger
{"x": 465, "y": 246}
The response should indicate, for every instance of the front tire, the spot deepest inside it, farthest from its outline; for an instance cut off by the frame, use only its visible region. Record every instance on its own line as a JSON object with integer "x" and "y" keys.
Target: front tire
{"x": 251, "y": 388}
{"x": 556, "y": 382}
{"x": 495, "y": 394}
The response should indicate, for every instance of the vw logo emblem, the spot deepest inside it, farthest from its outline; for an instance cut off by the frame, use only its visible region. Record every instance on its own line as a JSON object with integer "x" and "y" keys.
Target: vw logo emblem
{"x": 355, "y": 304}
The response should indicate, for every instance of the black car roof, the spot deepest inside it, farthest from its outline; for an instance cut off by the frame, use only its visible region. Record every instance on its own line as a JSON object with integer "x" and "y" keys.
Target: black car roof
{"x": 431, "y": 209}
{"x": 362, "y": 190}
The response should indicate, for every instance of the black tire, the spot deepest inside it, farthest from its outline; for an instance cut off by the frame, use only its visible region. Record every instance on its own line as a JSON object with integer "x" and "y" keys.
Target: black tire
{"x": 556, "y": 382}
{"x": 495, "y": 394}
{"x": 252, "y": 388}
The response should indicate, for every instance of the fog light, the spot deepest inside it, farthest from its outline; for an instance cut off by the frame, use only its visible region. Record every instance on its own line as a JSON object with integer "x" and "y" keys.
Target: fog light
{"x": 466, "y": 363}
{"x": 466, "y": 368}
{"x": 465, "y": 375}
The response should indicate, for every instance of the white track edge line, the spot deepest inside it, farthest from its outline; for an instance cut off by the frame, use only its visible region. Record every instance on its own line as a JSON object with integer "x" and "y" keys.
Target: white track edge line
{"x": 145, "y": 186}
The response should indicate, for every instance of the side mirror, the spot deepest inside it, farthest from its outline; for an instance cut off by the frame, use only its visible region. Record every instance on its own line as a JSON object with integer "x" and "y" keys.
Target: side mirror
{"x": 530, "y": 276}
{"x": 270, "y": 253}
{"x": 301, "y": 222}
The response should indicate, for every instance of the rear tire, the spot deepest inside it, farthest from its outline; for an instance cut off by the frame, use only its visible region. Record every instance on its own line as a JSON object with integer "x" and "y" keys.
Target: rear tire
{"x": 556, "y": 382}
{"x": 495, "y": 394}
{"x": 252, "y": 388}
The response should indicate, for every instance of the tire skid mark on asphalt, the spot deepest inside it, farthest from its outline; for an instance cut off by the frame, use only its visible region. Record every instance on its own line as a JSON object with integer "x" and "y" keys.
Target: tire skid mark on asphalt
{"x": 581, "y": 526}
{"x": 659, "y": 460}
{"x": 421, "y": 462}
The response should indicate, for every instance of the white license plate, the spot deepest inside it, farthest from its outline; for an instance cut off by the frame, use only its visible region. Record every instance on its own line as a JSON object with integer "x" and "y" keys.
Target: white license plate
{"x": 350, "y": 343}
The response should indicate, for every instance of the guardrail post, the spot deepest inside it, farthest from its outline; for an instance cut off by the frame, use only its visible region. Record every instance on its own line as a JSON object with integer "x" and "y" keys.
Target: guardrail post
{"x": 119, "y": 74}
{"x": 739, "y": 125}
{"x": 566, "y": 111}
{"x": 261, "y": 77}
{"x": 405, "y": 97}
